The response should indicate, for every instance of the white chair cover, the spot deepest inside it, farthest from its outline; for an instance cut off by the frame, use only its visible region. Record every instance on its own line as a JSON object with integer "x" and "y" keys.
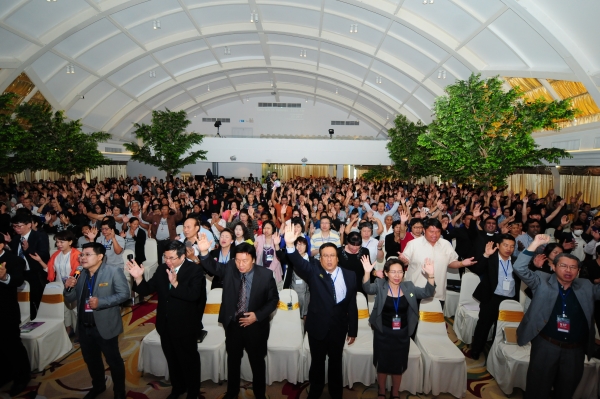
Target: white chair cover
{"x": 179, "y": 229}
{"x": 588, "y": 386}
{"x": 445, "y": 368}
{"x": 508, "y": 363}
{"x": 49, "y": 341}
{"x": 51, "y": 243}
{"x": 412, "y": 379}
{"x": 451, "y": 297}
{"x": 152, "y": 261}
{"x": 151, "y": 358}
{"x": 357, "y": 360}
{"x": 24, "y": 306}
{"x": 371, "y": 302}
{"x": 285, "y": 341}
{"x": 466, "y": 319}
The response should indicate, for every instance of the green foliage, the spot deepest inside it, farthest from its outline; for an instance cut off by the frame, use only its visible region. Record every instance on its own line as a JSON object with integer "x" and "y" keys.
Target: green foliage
{"x": 11, "y": 132}
{"x": 379, "y": 173}
{"x": 483, "y": 133}
{"x": 410, "y": 160}
{"x": 165, "y": 142}
{"x": 56, "y": 144}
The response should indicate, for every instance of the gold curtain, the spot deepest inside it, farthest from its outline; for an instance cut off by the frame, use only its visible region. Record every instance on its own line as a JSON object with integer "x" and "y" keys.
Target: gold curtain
{"x": 288, "y": 172}
{"x": 539, "y": 184}
{"x": 570, "y": 185}
{"x": 100, "y": 173}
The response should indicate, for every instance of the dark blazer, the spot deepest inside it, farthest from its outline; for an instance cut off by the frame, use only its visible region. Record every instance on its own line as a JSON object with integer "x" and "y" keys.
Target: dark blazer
{"x": 177, "y": 308}
{"x": 321, "y": 306}
{"x": 15, "y": 268}
{"x": 487, "y": 269}
{"x": 140, "y": 246}
{"x": 545, "y": 291}
{"x": 380, "y": 289}
{"x": 263, "y": 294}
{"x": 38, "y": 244}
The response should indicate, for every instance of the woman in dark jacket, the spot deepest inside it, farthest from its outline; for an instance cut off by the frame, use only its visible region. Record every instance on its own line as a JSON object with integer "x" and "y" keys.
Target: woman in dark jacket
{"x": 394, "y": 318}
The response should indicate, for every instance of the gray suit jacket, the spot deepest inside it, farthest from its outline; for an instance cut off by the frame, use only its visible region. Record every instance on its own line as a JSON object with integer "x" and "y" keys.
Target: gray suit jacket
{"x": 545, "y": 291}
{"x": 111, "y": 289}
{"x": 380, "y": 289}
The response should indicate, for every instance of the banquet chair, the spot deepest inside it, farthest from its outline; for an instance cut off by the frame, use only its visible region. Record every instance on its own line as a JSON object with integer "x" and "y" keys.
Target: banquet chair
{"x": 508, "y": 363}
{"x": 357, "y": 359}
{"x": 179, "y": 229}
{"x": 467, "y": 312}
{"x": 24, "y": 306}
{"x": 151, "y": 263}
{"x": 285, "y": 340}
{"x": 51, "y": 243}
{"x": 412, "y": 379}
{"x": 49, "y": 341}
{"x": 452, "y": 297}
{"x": 444, "y": 365}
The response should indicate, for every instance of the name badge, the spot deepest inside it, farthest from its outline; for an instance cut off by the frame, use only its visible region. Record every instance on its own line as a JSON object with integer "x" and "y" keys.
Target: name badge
{"x": 103, "y": 285}
{"x": 299, "y": 282}
{"x": 563, "y": 324}
{"x": 506, "y": 285}
{"x": 269, "y": 258}
{"x": 396, "y": 323}
{"x": 290, "y": 306}
{"x": 87, "y": 307}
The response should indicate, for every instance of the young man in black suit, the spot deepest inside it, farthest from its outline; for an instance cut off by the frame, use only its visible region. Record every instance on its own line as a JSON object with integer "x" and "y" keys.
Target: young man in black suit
{"x": 332, "y": 313}
{"x": 17, "y": 369}
{"x": 178, "y": 283}
{"x": 249, "y": 297}
{"x": 498, "y": 283}
{"x": 24, "y": 244}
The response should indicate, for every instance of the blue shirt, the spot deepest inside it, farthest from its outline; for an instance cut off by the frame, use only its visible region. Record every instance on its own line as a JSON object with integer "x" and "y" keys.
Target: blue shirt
{"x": 505, "y": 274}
{"x": 525, "y": 239}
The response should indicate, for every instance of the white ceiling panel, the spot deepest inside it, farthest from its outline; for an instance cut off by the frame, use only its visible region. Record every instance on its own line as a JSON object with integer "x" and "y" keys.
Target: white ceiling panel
{"x": 420, "y": 110}
{"x": 392, "y": 90}
{"x": 48, "y": 65}
{"x": 331, "y": 88}
{"x": 341, "y": 26}
{"x": 243, "y": 52}
{"x": 164, "y": 96}
{"x": 133, "y": 70}
{"x": 104, "y": 111}
{"x": 425, "y": 97}
{"x": 146, "y": 11}
{"x": 91, "y": 99}
{"x": 107, "y": 52}
{"x": 91, "y": 35}
{"x": 292, "y": 40}
{"x": 7, "y": 6}
{"x": 190, "y": 62}
{"x": 176, "y": 102}
{"x": 292, "y": 16}
{"x": 180, "y": 50}
{"x": 12, "y": 45}
{"x": 214, "y": 87}
{"x": 293, "y": 53}
{"x": 417, "y": 41}
{"x": 372, "y": 106}
{"x": 482, "y": 10}
{"x": 352, "y": 55}
{"x": 495, "y": 53}
{"x": 394, "y": 74}
{"x": 171, "y": 24}
{"x": 354, "y": 12}
{"x": 407, "y": 54}
{"x": 144, "y": 82}
{"x": 62, "y": 84}
{"x": 299, "y": 80}
{"x": 457, "y": 69}
{"x": 38, "y": 17}
{"x": 248, "y": 79}
{"x": 228, "y": 40}
{"x": 347, "y": 67}
{"x": 219, "y": 15}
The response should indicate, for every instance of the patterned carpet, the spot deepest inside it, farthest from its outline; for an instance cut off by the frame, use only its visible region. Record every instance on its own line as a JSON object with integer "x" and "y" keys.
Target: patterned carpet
{"x": 68, "y": 377}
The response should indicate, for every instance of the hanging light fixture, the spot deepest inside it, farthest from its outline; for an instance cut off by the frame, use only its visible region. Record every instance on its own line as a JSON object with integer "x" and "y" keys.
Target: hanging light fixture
{"x": 303, "y": 53}
{"x": 207, "y": 87}
{"x": 152, "y": 74}
{"x": 156, "y": 24}
{"x": 227, "y": 50}
{"x": 336, "y": 90}
{"x": 378, "y": 80}
{"x": 253, "y": 17}
{"x": 70, "y": 69}
{"x": 353, "y": 28}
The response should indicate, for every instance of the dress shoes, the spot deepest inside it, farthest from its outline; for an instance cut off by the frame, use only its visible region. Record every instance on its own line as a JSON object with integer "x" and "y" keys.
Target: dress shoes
{"x": 475, "y": 354}
{"x": 18, "y": 387}
{"x": 120, "y": 395}
{"x": 94, "y": 392}
{"x": 174, "y": 395}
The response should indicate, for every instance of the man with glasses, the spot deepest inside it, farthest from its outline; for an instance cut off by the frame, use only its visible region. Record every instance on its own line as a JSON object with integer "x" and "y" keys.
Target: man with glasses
{"x": 24, "y": 244}
{"x": 332, "y": 317}
{"x": 180, "y": 285}
{"x": 559, "y": 323}
{"x": 99, "y": 292}
{"x": 323, "y": 236}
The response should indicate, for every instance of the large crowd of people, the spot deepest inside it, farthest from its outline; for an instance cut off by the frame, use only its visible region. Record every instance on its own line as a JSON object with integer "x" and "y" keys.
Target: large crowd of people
{"x": 322, "y": 237}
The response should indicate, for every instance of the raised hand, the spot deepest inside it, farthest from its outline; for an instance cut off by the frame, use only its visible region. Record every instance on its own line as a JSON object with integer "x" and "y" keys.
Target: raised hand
{"x": 539, "y": 260}
{"x": 91, "y": 235}
{"x": 428, "y": 268}
{"x": 366, "y": 264}
{"x": 136, "y": 271}
{"x": 203, "y": 243}
{"x": 7, "y": 237}
{"x": 403, "y": 216}
{"x": 490, "y": 248}
{"x": 469, "y": 262}
{"x": 541, "y": 239}
{"x": 172, "y": 277}
{"x": 289, "y": 236}
{"x": 564, "y": 220}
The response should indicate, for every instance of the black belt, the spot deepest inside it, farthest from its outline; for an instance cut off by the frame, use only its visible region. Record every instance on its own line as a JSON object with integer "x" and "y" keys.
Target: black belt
{"x": 88, "y": 325}
{"x": 560, "y": 344}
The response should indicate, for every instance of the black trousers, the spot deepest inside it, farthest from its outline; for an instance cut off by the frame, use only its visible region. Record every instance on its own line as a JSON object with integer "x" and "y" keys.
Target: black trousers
{"x": 15, "y": 364}
{"x": 161, "y": 247}
{"x": 254, "y": 340}
{"x": 597, "y": 314}
{"x": 92, "y": 348}
{"x": 552, "y": 366}
{"x": 488, "y": 315}
{"x": 36, "y": 290}
{"x": 183, "y": 360}
{"x": 332, "y": 346}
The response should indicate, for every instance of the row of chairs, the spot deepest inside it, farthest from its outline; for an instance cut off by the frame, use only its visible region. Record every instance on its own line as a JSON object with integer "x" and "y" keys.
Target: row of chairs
{"x": 435, "y": 364}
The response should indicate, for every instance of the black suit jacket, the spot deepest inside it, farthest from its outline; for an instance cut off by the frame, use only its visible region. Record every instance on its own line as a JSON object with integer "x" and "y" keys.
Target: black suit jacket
{"x": 263, "y": 294}
{"x": 487, "y": 269}
{"x": 9, "y": 302}
{"x": 38, "y": 244}
{"x": 177, "y": 310}
{"x": 319, "y": 319}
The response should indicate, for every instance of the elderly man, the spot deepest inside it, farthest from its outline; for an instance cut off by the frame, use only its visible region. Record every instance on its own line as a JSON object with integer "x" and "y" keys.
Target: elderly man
{"x": 429, "y": 246}
{"x": 558, "y": 323}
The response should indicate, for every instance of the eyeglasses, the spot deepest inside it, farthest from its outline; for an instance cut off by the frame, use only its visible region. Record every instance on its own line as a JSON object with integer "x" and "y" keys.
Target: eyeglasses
{"x": 105, "y": 229}
{"x": 171, "y": 258}
{"x": 18, "y": 226}
{"x": 569, "y": 267}
{"x": 86, "y": 255}
{"x": 393, "y": 272}
{"x": 329, "y": 256}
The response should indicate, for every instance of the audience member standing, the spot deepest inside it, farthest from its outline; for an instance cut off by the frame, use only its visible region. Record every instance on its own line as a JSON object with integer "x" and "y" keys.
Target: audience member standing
{"x": 163, "y": 227}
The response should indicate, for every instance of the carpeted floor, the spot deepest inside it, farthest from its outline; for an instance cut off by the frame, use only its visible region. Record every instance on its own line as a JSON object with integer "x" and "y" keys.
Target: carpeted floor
{"x": 68, "y": 377}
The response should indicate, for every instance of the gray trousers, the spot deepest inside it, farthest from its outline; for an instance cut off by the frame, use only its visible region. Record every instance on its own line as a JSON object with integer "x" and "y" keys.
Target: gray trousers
{"x": 551, "y": 366}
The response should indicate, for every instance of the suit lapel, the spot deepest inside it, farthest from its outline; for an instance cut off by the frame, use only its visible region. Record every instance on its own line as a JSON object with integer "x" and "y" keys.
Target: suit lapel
{"x": 410, "y": 298}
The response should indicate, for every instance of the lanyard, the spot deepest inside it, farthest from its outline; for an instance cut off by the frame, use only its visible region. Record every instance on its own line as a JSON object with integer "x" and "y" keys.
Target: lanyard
{"x": 505, "y": 269}
{"x": 90, "y": 286}
{"x": 564, "y": 294}
{"x": 396, "y": 300}
{"x": 336, "y": 276}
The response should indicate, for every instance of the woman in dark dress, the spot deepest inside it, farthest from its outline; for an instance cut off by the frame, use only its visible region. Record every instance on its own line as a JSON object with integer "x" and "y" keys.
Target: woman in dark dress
{"x": 394, "y": 318}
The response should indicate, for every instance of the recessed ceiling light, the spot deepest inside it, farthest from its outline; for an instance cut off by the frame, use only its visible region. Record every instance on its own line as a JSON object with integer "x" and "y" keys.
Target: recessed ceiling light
{"x": 156, "y": 24}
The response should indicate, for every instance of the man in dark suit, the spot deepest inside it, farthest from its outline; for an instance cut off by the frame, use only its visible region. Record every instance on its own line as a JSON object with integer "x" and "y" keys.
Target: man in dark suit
{"x": 332, "y": 313}
{"x": 498, "y": 283}
{"x": 17, "y": 369}
{"x": 178, "y": 283}
{"x": 24, "y": 244}
{"x": 249, "y": 297}
{"x": 559, "y": 323}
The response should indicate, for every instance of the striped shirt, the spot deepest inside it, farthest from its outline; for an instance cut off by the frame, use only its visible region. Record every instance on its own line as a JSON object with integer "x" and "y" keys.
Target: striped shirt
{"x": 317, "y": 240}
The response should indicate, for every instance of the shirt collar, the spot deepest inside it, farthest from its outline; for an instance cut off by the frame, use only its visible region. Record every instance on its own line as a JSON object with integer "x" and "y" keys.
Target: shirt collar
{"x": 26, "y": 236}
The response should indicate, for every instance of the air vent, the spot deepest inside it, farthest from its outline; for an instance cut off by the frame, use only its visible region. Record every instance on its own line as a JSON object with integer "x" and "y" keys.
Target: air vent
{"x": 224, "y": 120}
{"x": 113, "y": 149}
{"x": 279, "y": 105}
{"x": 567, "y": 145}
{"x": 344, "y": 123}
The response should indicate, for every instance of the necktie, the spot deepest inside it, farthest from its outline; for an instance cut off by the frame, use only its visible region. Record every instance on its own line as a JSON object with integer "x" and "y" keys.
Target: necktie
{"x": 21, "y": 253}
{"x": 333, "y": 286}
{"x": 241, "y": 305}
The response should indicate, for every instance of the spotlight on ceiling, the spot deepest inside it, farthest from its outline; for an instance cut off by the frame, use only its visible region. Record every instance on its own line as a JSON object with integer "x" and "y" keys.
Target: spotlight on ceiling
{"x": 233, "y": 158}
{"x": 330, "y": 133}
{"x": 156, "y": 24}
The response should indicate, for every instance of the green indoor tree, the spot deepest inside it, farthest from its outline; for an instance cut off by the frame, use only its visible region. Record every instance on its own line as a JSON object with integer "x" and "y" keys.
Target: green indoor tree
{"x": 55, "y": 144}
{"x": 165, "y": 141}
{"x": 482, "y": 133}
{"x": 410, "y": 160}
{"x": 11, "y": 132}
{"x": 380, "y": 173}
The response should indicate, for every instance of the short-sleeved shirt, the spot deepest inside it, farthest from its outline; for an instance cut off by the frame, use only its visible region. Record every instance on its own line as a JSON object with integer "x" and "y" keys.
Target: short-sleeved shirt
{"x": 112, "y": 258}
{"x": 317, "y": 240}
{"x": 442, "y": 254}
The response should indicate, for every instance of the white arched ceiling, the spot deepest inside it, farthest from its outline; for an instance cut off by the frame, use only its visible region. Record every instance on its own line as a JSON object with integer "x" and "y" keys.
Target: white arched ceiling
{"x": 113, "y": 48}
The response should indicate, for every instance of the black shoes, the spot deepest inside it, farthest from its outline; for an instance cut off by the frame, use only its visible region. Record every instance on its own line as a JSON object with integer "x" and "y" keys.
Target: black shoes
{"x": 94, "y": 392}
{"x": 18, "y": 387}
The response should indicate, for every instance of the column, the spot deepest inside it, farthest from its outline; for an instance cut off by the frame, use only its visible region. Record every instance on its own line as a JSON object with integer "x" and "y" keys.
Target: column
{"x": 330, "y": 171}
{"x": 556, "y": 180}
{"x": 340, "y": 172}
